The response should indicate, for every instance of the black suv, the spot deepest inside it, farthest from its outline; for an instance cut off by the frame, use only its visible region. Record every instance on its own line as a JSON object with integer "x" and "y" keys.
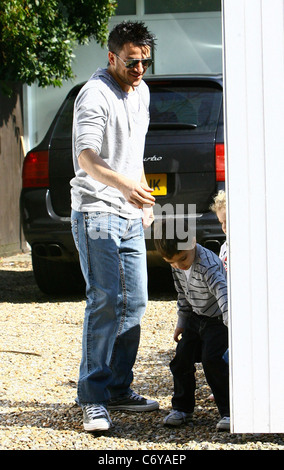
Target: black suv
{"x": 184, "y": 163}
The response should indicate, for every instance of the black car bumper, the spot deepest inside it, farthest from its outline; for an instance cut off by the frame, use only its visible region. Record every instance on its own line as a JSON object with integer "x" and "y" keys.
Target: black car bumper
{"x": 50, "y": 236}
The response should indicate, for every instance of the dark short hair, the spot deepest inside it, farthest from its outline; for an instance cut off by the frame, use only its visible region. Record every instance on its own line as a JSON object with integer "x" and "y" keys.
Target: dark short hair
{"x": 169, "y": 244}
{"x": 130, "y": 31}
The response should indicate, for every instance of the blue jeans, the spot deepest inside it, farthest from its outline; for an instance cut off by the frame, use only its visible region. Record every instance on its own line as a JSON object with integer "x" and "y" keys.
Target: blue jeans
{"x": 113, "y": 261}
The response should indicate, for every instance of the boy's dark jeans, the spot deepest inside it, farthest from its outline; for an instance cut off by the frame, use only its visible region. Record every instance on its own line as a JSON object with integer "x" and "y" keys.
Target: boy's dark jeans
{"x": 203, "y": 340}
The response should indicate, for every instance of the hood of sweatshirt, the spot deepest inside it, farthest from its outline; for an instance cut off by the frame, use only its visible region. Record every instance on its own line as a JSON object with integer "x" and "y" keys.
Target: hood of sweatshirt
{"x": 105, "y": 76}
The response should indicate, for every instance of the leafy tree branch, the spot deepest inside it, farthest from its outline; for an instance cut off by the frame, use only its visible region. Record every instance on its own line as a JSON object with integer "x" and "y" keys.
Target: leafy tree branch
{"x": 37, "y": 37}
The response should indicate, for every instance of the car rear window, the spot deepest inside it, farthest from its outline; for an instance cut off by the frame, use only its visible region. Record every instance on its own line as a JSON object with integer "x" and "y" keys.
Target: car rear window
{"x": 184, "y": 108}
{"x": 192, "y": 108}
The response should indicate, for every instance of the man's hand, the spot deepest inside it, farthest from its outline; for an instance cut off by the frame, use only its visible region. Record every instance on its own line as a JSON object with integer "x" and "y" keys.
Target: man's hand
{"x": 136, "y": 193}
{"x": 148, "y": 216}
{"x": 177, "y": 333}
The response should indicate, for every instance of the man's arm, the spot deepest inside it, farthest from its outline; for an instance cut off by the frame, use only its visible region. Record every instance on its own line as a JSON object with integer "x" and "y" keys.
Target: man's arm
{"x": 148, "y": 213}
{"x": 137, "y": 193}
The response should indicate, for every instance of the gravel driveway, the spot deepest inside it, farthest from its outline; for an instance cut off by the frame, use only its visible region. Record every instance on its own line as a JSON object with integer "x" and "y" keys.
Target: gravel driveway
{"x": 40, "y": 353}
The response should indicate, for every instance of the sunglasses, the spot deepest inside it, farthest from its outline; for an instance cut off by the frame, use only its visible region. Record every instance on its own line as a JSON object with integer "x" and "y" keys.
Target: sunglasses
{"x": 131, "y": 63}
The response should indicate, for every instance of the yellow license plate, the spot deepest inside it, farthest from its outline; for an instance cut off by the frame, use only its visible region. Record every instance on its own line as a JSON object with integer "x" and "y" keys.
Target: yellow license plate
{"x": 158, "y": 182}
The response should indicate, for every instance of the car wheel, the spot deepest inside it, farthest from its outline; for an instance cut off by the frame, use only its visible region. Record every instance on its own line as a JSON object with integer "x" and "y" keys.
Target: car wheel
{"x": 57, "y": 277}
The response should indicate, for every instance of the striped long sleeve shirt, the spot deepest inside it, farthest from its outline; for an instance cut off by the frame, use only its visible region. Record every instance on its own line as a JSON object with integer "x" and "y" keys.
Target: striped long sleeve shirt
{"x": 205, "y": 290}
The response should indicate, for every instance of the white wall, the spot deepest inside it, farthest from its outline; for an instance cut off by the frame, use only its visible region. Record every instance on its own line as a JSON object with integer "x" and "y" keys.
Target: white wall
{"x": 186, "y": 43}
{"x": 254, "y": 97}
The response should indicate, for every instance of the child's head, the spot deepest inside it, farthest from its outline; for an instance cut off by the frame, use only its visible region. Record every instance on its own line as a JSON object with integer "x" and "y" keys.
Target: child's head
{"x": 176, "y": 252}
{"x": 219, "y": 207}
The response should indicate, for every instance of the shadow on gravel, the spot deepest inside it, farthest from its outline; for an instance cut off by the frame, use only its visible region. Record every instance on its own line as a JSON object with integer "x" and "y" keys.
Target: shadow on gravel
{"x": 21, "y": 287}
{"x": 128, "y": 425}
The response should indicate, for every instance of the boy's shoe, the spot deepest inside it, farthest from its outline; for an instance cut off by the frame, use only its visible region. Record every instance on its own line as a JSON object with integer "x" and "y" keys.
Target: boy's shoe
{"x": 176, "y": 418}
{"x": 96, "y": 418}
{"x": 224, "y": 424}
{"x": 133, "y": 402}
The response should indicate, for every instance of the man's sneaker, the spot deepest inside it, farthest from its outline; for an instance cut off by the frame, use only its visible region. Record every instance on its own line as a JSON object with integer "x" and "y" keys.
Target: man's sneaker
{"x": 224, "y": 424}
{"x": 133, "y": 402}
{"x": 96, "y": 418}
{"x": 176, "y": 418}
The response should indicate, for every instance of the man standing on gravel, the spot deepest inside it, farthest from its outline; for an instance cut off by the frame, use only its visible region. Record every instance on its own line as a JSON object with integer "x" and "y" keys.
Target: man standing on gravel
{"x": 109, "y": 190}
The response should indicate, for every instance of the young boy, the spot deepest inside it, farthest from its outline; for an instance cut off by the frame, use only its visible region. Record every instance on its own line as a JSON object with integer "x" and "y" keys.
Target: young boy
{"x": 219, "y": 208}
{"x": 200, "y": 281}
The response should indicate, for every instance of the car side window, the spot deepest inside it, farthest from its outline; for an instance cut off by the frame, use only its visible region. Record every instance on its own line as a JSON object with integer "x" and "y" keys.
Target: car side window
{"x": 63, "y": 126}
{"x": 199, "y": 107}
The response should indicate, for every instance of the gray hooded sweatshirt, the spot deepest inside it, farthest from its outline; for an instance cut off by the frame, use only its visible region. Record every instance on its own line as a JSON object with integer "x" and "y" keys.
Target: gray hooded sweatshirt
{"x": 114, "y": 124}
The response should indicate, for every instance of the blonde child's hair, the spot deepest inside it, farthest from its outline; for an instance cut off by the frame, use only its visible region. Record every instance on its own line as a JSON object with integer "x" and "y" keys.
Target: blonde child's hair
{"x": 219, "y": 201}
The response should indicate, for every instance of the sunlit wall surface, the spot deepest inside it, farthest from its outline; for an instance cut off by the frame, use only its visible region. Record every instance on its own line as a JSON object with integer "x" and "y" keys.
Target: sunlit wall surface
{"x": 189, "y": 40}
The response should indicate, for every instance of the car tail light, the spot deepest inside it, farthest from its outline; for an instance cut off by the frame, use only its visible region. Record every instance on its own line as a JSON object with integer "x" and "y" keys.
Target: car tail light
{"x": 220, "y": 162}
{"x": 35, "y": 170}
